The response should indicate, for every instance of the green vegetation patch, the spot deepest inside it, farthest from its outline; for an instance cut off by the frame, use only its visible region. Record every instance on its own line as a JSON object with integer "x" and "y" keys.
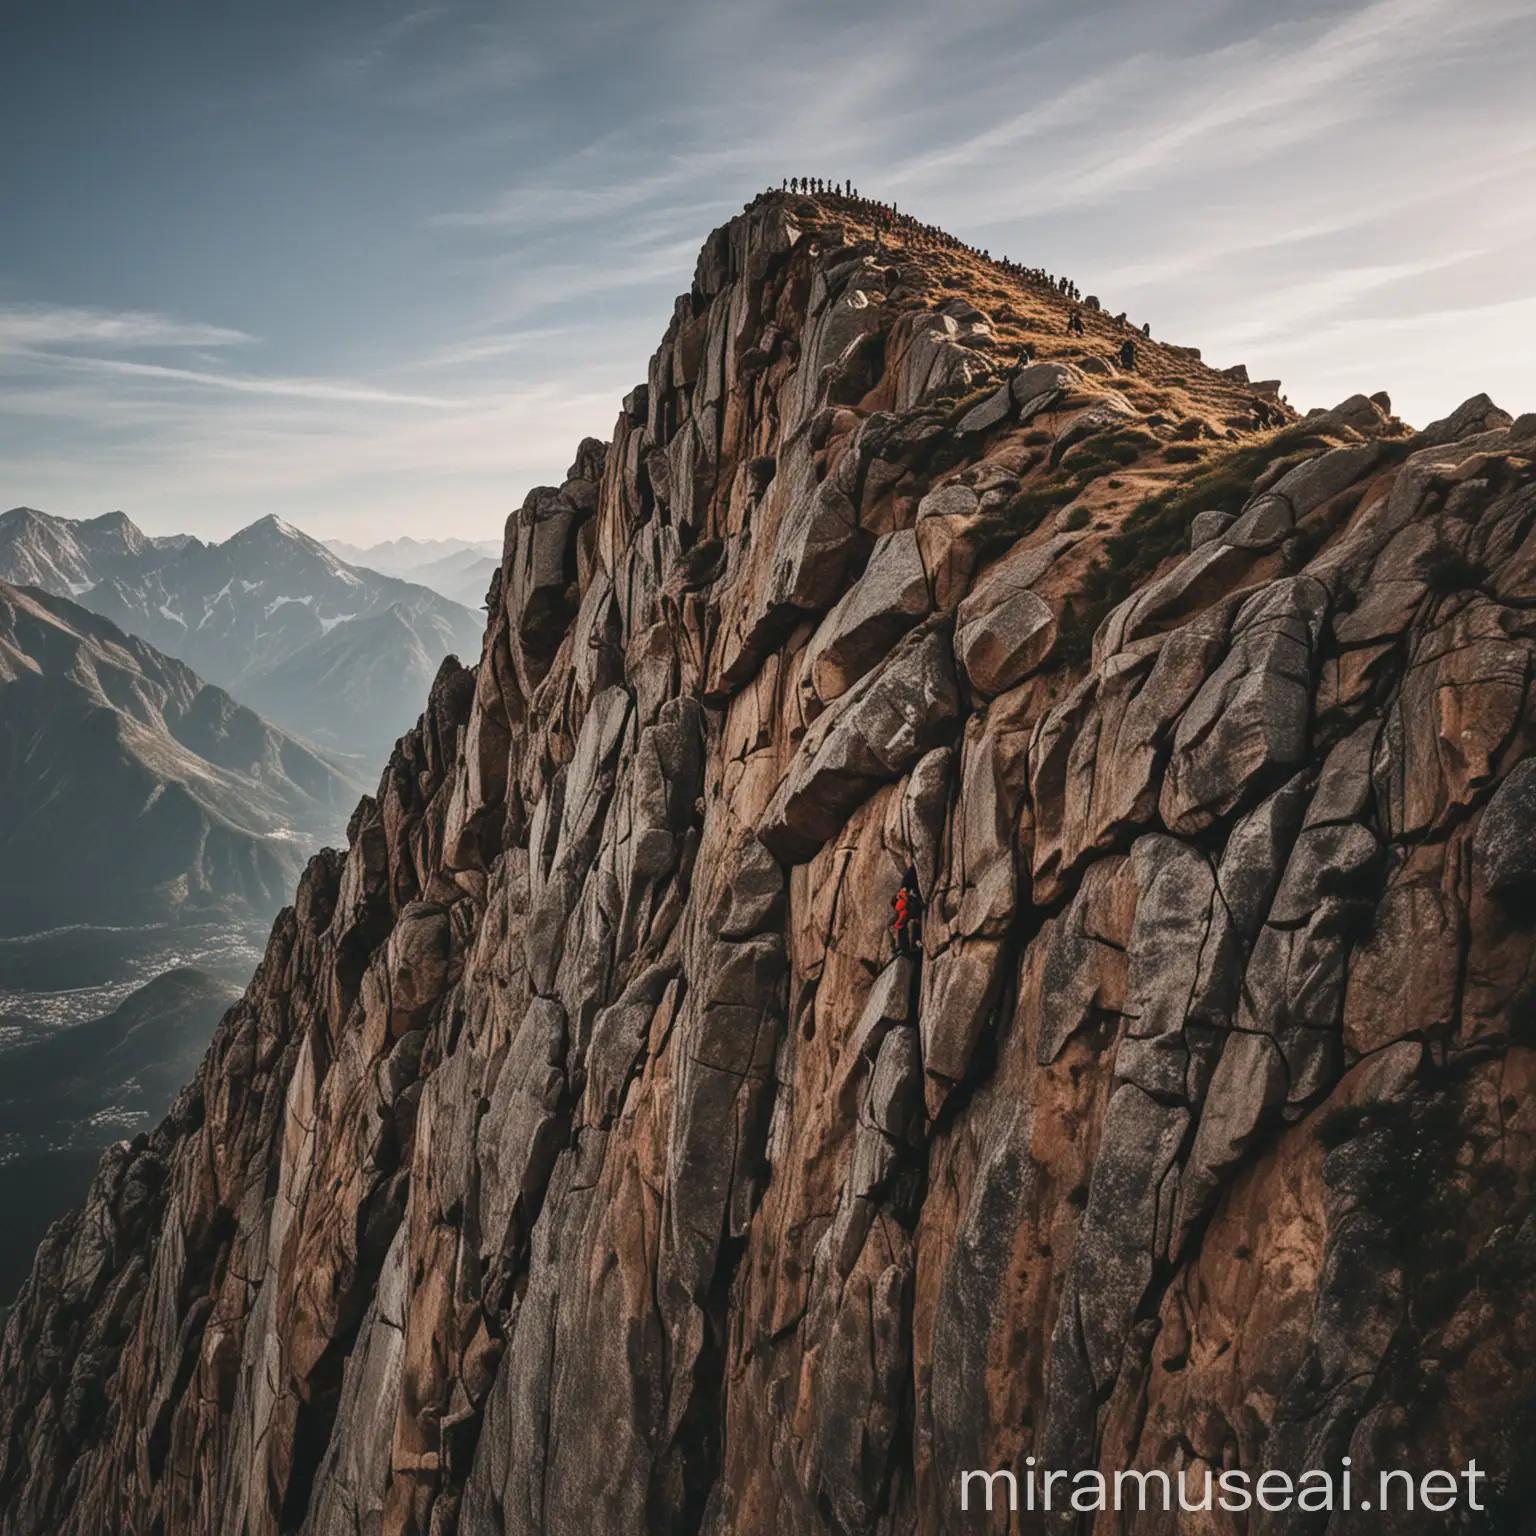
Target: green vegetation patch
{"x": 1159, "y": 528}
{"x": 1022, "y": 515}
{"x": 1088, "y": 459}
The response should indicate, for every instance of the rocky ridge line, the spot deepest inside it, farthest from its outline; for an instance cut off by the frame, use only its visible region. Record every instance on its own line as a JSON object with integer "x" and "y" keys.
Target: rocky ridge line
{"x": 583, "y": 1146}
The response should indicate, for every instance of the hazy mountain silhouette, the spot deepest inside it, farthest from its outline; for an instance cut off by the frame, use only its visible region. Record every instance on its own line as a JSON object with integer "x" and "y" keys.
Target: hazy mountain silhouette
{"x": 243, "y": 612}
{"x": 131, "y": 791}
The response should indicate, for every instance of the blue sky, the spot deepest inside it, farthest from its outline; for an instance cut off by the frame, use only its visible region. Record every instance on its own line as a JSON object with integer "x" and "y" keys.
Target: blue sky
{"x": 378, "y": 267}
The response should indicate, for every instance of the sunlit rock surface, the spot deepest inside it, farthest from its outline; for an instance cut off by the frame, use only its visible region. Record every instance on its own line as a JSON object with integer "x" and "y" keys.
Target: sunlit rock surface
{"x": 584, "y": 1155}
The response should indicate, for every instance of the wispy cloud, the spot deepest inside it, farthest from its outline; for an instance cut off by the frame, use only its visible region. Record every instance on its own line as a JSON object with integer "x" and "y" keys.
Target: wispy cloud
{"x": 246, "y": 384}
{"x": 1301, "y": 306}
{"x": 1183, "y": 112}
{"x": 600, "y": 182}
{"x": 42, "y": 325}
{"x": 1264, "y": 95}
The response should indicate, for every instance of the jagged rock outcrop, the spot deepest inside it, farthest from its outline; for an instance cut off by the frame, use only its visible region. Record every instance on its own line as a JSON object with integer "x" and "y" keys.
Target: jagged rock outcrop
{"x": 584, "y": 1149}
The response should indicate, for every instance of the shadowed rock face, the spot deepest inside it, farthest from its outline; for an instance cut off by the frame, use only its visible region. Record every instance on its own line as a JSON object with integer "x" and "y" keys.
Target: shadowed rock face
{"x": 584, "y": 1150}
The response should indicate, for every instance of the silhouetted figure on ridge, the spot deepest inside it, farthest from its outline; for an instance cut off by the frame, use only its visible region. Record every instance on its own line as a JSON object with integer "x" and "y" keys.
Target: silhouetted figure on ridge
{"x": 1128, "y": 354}
{"x": 1075, "y": 323}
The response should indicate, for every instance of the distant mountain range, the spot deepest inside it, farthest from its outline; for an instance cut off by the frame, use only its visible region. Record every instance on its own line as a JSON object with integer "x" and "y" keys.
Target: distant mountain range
{"x": 151, "y": 815}
{"x": 398, "y": 557}
{"x": 131, "y": 791}
{"x": 270, "y": 614}
{"x": 460, "y": 569}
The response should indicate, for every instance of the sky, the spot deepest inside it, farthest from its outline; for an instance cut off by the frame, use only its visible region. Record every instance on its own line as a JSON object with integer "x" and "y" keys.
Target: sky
{"x": 377, "y": 267}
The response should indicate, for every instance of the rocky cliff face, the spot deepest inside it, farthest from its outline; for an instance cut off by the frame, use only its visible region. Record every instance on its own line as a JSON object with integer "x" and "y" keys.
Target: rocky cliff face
{"x": 586, "y": 1153}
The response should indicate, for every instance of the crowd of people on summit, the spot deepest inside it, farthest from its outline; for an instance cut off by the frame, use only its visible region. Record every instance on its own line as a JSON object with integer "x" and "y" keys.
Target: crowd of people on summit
{"x": 889, "y": 219}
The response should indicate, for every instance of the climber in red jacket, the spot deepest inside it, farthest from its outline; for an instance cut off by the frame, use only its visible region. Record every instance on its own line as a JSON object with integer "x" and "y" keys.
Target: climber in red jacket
{"x": 907, "y": 906}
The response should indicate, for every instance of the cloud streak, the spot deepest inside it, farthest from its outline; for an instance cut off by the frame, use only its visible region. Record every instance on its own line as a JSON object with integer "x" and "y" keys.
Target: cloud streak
{"x": 33, "y": 326}
{"x": 243, "y": 384}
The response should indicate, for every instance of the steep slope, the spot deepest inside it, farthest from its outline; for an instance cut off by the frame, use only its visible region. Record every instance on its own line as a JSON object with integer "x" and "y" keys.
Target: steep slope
{"x": 253, "y": 615}
{"x": 588, "y": 1150}
{"x": 74, "y": 1093}
{"x": 131, "y": 791}
{"x": 68, "y": 557}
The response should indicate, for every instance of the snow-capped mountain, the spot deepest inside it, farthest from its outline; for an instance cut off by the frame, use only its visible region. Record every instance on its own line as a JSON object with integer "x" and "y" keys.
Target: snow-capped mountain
{"x": 69, "y": 557}
{"x": 246, "y": 613}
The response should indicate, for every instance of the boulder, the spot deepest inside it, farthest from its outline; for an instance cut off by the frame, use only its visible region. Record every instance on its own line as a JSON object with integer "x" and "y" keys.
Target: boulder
{"x": 948, "y": 519}
{"x": 1505, "y": 845}
{"x": 1248, "y": 724}
{"x": 992, "y": 412}
{"x": 875, "y": 612}
{"x": 938, "y": 356}
{"x": 870, "y": 736}
{"x": 1003, "y": 628}
{"x": 960, "y": 988}
{"x": 1206, "y": 526}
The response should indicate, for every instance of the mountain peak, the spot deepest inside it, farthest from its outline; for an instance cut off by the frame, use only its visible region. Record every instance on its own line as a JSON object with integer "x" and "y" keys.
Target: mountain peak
{"x": 114, "y": 529}
{"x": 20, "y": 516}
{"x": 913, "y": 585}
{"x": 273, "y": 526}
{"x": 273, "y": 533}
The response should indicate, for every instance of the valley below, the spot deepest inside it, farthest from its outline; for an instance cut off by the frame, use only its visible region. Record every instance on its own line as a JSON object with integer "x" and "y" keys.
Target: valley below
{"x": 53, "y": 981}
{"x": 99, "y": 1028}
